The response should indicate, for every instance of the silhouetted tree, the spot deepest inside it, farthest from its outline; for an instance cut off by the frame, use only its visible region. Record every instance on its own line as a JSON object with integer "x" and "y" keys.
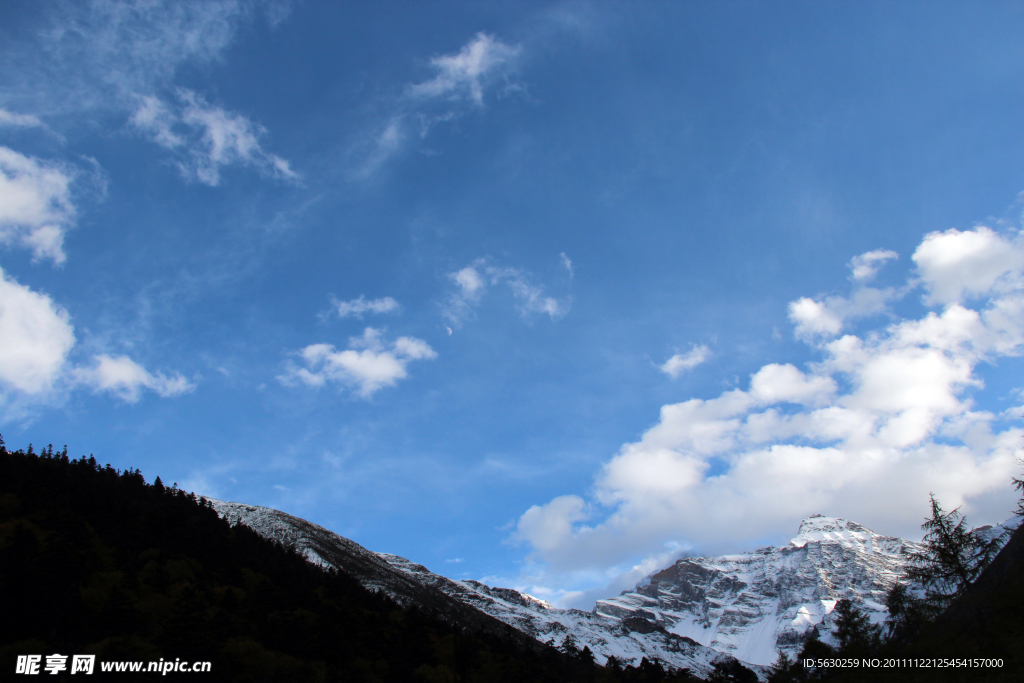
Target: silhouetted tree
{"x": 953, "y": 558}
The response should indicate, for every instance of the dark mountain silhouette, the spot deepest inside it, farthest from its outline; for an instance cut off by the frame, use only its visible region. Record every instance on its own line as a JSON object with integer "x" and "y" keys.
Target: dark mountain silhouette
{"x": 94, "y": 560}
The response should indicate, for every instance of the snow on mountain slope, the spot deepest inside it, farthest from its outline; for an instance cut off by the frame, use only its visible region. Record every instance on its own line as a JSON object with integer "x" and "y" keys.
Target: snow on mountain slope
{"x": 751, "y": 604}
{"x": 628, "y": 639}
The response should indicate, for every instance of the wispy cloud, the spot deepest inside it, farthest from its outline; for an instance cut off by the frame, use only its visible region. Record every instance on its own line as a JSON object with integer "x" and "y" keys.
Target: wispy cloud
{"x": 463, "y": 76}
{"x": 473, "y": 281}
{"x": 207, "y": 138}
{"x": 105, "y": 56}
{"x": 459, "y": 84}
{"x": 865, "y": 266}
{"x": 358, "y": 307}
{"x": 101, "y": 54}
{"x": 681, "y": 362}
{"x": 19, "y": 120}
{"x": 366, "y": 366}
{"x": 567, "y": 262}
{"x": 867, "y": 432}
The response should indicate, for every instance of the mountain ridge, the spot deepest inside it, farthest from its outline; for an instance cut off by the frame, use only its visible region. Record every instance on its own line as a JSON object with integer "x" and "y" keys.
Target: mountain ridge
{"x": 694, "y": 614}
{"x": 628, "y": 640}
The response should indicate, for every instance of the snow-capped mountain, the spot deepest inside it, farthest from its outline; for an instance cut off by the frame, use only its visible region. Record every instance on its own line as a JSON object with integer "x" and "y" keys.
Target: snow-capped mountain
{"x": 751, "y": 604}
{"x": 694, "y": 614}
{"x": 628, "y": 638}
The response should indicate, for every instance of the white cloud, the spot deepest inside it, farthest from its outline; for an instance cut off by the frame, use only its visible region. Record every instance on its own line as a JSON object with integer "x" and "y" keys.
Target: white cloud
{"x": 681, "y": 362}
{"x": 826, "y": 318}
{"x": 550, "y": 525}
{"x": 464, "y": 75}
{"x": 122, "y": 376}
{"x": 35, "y": 204}
{"x": 567, "y": 262}
{"x": 958, "y": 265}
{"x": 473, "y": 281}
{"x": 814, "y": 318}
{"x": 208, "y": 137}
{"x": 866, "y": 433}
{"x": 357, "y": 307}
{"x": 866, "y": 265}
{"x": 367, "y": 365}
{"x": 459, "y": 83}
{"x": 155, "y": 117}
{"x": 100, "y": 54}
{"x": 35, "y": 338}
{"x": 19, "y": 120}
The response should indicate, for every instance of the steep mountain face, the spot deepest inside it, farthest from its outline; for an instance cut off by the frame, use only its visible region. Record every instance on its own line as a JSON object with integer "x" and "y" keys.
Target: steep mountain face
{"x": 627, "y": 638}
{"x": 751, "y": 604}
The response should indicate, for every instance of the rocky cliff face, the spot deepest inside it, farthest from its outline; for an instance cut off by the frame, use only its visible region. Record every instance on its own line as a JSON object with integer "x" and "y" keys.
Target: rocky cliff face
{"x": 751, "y": 604}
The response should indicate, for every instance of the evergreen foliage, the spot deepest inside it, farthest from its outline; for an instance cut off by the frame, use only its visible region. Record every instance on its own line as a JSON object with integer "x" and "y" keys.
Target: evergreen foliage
{"x": 953, "y": 558}
{"x": 856, "y": 635}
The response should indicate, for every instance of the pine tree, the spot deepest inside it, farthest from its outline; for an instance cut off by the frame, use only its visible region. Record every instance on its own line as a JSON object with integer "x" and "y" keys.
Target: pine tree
{"x": 908, "y": 614}
{"x": 856, "y": 635}
{"x": 1017, "y": 484}
{"x": 785, "y": 670}
{"x": 953, "y": 556}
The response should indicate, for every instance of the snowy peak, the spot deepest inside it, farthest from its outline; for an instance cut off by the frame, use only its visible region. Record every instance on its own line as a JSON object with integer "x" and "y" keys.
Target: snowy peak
{"x": 821, "y": 528}
{"x": 752, "y": 604}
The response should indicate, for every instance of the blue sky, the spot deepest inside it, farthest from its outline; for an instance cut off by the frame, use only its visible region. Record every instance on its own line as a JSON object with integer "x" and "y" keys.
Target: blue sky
{"x": 543, "y": 294}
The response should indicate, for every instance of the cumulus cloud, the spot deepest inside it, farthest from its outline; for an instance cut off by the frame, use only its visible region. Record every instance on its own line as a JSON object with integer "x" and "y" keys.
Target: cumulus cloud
{"x": 35, "y": 204}
{"x": 36, "y": 336}
{"x": 957, "y": 265}
{"x": 826, "y": 317}
{"x": 681, "y": 362}
{"x": 36, "y": 340}
{"x": 366, "y": 366}
{"x": 473, "y": 281}
{"x": 125, "y": 378}
{"x": 207, "y": 137}
{"x": 360, "y": 306}
{"x": 865, "y": 432}
{"x": 865, "y": 266}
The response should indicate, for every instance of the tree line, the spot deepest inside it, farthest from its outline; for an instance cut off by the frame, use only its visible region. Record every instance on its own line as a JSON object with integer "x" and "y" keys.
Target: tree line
{"x": 94, "y": 560}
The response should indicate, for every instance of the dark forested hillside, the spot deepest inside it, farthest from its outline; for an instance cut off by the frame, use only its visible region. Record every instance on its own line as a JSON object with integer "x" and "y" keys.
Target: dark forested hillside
{"x": 96, "y": 561}
{"x": 985, "y": 622}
